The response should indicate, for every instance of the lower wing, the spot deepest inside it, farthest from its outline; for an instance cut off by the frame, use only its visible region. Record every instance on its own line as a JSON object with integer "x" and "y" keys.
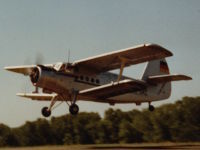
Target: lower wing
{"x": 39, "y": 96}
{"x": 113, "y": 89}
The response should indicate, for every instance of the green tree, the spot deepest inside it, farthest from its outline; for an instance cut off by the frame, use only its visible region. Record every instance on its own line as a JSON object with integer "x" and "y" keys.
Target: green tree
{"x": 179, "y": 122}
{"x": 186, "y": 120}
{"x": 104, "y": 132}
{"x": 128, "y": 134}
{"x": 85, "y": 128}
{"x": 30, "y": 134}
{"x": 114, "y": 117}
{"x": 4, "y": 133}
{"x": 142, "y": 123}
{"x": 161, "y": 120}
{"x": 60, "y": 126}
{"x": 11, "y": 139}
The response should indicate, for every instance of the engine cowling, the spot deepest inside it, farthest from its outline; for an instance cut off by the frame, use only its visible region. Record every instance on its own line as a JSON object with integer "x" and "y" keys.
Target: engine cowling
{"x": 47, "y": 78}
{"x": 35, "y": 75}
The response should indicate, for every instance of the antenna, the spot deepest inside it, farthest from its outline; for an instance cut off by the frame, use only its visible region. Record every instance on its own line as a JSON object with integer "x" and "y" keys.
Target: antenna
{"x": 68, "y": 56}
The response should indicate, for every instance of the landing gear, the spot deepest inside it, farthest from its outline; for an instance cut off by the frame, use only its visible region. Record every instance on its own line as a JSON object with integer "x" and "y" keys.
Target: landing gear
{"x": 151, "y": 107}
{"x": 46, "y": 112}
{"x": 73, "y": 109}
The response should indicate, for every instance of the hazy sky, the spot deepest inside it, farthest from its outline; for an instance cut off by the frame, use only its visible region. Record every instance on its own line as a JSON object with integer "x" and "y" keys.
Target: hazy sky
{"x": 49, "y": 28}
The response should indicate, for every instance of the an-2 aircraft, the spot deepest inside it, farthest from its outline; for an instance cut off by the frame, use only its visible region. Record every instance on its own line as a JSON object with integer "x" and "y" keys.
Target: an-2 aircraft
{"x": 90, "y": 80}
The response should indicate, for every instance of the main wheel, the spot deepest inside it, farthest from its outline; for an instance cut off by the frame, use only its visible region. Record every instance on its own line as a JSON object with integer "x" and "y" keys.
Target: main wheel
{"x": 73, "y": 109}
{"x": 46, "y": 112}
{"x": 151, "y": 108}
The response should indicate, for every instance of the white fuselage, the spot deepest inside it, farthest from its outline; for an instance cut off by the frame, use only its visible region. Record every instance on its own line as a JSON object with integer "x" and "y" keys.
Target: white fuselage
{"x": 64, "y": 83}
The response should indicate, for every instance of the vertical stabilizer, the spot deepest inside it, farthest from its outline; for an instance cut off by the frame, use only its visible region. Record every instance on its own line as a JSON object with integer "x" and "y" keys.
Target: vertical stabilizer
{"x": 156, "y": 67}
{"x": 161, "y": 90}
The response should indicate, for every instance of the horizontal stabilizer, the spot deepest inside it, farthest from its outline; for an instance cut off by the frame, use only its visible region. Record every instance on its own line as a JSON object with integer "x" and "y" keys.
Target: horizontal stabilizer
{"x": 167, "y": 78}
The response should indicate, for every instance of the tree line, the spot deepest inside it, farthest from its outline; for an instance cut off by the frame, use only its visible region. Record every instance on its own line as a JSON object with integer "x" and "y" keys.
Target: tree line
{"x": 178, "y": 122}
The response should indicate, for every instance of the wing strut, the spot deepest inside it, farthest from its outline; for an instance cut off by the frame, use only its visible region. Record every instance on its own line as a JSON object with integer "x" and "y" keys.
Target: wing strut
{"x": 123, "y": 62}
{"x": 53, "y": 101}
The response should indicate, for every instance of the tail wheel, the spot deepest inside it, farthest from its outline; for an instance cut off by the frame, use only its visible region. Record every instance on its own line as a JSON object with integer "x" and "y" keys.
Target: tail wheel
{"x": 151, "y": 108}
{"x": 73, "y": 109}
{"x": 46, "y": 112}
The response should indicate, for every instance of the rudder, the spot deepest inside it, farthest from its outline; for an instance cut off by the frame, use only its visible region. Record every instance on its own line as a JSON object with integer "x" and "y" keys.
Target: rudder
{"x": 161, "y": 90}
{"x": 156, "y": 67}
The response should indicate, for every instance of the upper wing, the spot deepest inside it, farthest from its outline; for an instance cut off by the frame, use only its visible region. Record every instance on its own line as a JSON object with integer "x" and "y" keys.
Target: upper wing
{"x": 167, "y": 78}
{"x": 38, "y": 96}
{"x": 108, "y": 61}
{"x": 113, "y": 89}
{"x": 26, "y": 69}
{"x": 133, "y": 55}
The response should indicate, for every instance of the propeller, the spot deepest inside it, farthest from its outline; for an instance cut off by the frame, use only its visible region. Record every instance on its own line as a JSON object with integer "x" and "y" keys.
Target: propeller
{"x": 39, "y": 58}
{"x": 34, "y": 73}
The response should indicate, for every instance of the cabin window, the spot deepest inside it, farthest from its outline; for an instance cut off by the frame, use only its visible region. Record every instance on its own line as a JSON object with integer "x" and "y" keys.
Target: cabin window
{"x": 97, "y": 81}
{"x": 87, "y": 79}
{"x": 76, "y": 78}
{"x": 81, "y": 77}
{"x": 92, "y": 80}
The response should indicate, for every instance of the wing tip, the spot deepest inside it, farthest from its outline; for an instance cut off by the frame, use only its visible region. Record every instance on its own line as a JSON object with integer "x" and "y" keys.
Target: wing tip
{"x": 26, "y": 69}
{"x": 21, "y": 94}
{"x": 187, "y": 77}
{"x": 7, "y": 68}
{"x": 166, "y": 51}
{"x": 184, "y": 77}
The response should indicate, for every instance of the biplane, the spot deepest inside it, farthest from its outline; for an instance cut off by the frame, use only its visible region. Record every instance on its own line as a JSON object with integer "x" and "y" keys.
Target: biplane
{"x": 90, "y": 79}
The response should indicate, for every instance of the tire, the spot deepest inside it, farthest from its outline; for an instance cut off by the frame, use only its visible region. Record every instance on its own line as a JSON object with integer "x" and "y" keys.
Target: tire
{"x": 74, "y": 109}
{"x": 151, "y": 108}
{"x": 46, "y": 112}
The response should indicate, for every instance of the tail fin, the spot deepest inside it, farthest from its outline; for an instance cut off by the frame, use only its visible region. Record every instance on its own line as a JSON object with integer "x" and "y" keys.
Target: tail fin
{"x": 155, "y": 68}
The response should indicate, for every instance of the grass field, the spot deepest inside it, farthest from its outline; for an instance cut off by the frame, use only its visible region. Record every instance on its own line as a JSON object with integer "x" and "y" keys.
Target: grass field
{"x": 174, "y": 146}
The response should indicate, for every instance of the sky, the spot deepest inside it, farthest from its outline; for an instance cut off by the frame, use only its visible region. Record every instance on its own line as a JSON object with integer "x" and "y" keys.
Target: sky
{"x": 48, "y": 29}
